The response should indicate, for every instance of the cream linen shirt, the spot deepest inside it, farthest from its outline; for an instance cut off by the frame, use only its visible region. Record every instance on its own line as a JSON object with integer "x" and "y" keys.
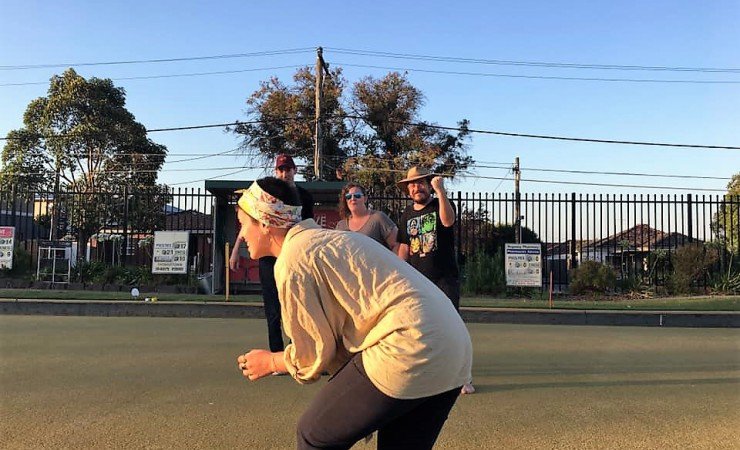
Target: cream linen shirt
{"x": 343, "y": 293}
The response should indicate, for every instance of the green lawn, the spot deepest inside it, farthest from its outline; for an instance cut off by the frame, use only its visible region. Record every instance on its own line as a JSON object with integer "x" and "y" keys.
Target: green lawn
{"x": 159, "y": 383}
{"x": 698, "y": 303}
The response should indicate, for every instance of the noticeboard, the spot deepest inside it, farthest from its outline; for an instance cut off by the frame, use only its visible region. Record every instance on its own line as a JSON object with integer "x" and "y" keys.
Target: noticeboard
{"x": 7, "y": 237}
{"x": 523, "y": 264}
{"x": 170, "y": 252}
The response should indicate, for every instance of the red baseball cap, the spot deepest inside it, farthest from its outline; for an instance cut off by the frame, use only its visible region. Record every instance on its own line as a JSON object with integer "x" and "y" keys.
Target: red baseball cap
{"x": 284, "y": 160}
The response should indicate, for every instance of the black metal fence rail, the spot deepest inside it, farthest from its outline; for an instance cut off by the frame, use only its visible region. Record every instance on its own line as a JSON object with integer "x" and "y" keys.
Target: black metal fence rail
{"x": 115, "y": 227}
{"x": 625, "y": 231}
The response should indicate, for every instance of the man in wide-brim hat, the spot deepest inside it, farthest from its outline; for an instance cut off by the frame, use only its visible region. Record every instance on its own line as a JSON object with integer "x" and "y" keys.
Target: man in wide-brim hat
{"x": 415, "y": 173}
{"x": 427, "y": 237}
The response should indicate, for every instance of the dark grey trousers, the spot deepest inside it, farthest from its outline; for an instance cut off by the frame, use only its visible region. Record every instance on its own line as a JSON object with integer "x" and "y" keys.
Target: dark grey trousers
{"x": 271, "y": 302}
{"x": 350, "y": 407}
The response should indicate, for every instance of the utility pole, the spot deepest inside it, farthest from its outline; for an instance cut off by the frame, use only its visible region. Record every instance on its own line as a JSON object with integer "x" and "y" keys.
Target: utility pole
{"x": 517, "y": 202}
{"x": 55, "y": 206}
{"x": 319, "y": 141}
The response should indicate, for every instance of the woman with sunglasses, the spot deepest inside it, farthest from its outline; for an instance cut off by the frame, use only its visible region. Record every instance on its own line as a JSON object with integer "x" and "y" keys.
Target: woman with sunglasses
{"x": 356, "y": 216}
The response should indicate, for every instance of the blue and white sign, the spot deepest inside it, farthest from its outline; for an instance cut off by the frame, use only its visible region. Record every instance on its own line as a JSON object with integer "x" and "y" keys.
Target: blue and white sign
{"x": 523, "y": 264}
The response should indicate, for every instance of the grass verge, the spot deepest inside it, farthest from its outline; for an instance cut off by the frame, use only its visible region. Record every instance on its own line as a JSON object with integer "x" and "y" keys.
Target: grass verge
{"x": 698, "y": 303}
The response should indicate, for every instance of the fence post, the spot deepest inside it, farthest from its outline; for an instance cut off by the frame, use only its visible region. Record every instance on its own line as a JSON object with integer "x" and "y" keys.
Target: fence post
{"x": 125, "y": 225}
{"x": 573, "y": 261}
{"x": 13, "y": 206}
{"x": 690, "y": 218}
{"x": 458, "y": 224}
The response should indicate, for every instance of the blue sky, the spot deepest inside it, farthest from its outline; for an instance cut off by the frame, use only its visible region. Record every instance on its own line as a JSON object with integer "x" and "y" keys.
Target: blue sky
{"x": 637, "y": 33}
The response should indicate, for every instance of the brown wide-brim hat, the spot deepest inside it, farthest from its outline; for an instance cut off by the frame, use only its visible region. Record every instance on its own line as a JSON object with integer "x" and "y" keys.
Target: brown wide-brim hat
{"x": 415, "y": 173}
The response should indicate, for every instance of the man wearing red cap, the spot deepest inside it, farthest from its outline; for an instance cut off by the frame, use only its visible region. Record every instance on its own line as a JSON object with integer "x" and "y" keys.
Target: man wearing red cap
{"x": 285, "y": 169}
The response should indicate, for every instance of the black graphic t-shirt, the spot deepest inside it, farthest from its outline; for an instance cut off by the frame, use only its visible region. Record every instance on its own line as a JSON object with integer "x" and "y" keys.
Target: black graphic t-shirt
{"x": 431, "y": 244}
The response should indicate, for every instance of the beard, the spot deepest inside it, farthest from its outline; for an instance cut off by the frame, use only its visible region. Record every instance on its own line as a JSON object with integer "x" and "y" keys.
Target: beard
{"x": 421, "y": 198}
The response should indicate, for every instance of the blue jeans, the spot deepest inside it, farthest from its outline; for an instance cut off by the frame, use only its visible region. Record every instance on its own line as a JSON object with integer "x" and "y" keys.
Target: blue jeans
{"x": 350, "y": 407}
{"x": 271, "y": 302}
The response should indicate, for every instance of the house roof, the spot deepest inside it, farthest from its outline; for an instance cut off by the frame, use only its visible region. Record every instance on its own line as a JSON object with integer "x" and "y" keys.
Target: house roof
{"x": 193, "y": 221}
{"x": 560, "y": 248}
{"x": 642, "y": 237}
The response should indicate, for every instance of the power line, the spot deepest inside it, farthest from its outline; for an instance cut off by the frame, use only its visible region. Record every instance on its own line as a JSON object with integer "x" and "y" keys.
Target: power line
{"x": 191, "y": 127}
{"x": 636, "y": 186}
{"x": 507, "y": 166}
{"x": 589, "y": 172}
{"x": 540, "y": 77}
{"x": 384, "y": 54}
{"x": 560, "y": 138}
{"x": 195, "y": 158}
{"x": 204, "y": 179}
{"x": 151, "y": 77}
{"x": 421, "y": 124}
{"x": 164, "y": 60}
{"x": 405, "y": 69}
{"x": 527, "y": 63}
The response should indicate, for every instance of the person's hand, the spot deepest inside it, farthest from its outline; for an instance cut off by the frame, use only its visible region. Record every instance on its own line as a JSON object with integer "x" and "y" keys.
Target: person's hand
{"x": 234, "y": 262}
{"x": 438, "y": 184}
{"x": 256, "y": 364}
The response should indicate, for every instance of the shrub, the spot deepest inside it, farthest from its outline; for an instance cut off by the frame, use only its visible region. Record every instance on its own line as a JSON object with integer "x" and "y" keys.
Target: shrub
{"x": 22, "y": 264}
{"x": 691, "y": 264}
{"x": 89, "y": 272}
{"x": 592, "y": 276}
{"x": 726, "y": 282}
{"x": 484, "y": 274}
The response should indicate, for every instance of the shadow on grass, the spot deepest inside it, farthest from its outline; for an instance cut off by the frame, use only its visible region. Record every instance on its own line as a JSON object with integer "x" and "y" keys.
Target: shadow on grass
{"x": 495, "y": 387}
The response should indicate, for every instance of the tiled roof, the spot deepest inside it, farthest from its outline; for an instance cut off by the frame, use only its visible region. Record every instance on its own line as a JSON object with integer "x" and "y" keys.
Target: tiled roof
{"x": 189, "y": 221}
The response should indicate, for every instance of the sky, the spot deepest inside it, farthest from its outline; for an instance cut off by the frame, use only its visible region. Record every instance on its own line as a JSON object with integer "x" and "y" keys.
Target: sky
{"x": 521, "y": 99}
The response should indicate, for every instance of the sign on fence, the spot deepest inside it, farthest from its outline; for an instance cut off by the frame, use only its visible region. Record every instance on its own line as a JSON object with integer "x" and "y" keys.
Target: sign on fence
{"x": 170, "y": 252}
{"x": 523, "y": 264}
{"x": 7, "y": 236}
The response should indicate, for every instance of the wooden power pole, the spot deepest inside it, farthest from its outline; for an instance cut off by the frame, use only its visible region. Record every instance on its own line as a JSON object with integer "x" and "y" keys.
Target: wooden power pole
{"x": 318, "y": 138}
{"x": 517, "y": 202}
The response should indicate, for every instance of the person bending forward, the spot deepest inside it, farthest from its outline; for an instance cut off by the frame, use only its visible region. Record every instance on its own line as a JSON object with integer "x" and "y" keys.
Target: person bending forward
{"x": 397, "y": 352}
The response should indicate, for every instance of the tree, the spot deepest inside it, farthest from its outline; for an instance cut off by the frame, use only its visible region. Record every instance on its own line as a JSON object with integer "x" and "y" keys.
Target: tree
{"x": 726, "y": 225}
{"x": 374, "y": 145}
{"x": 389, "y": 137}
{"x": 282, "y": 120}
{"x": 81, "y": 140}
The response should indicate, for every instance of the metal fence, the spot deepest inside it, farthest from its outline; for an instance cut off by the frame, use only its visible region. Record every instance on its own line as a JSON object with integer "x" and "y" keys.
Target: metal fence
{"x": 626, "y": 232}
{"x": 114, "y": 227}
{"x": 621, "y": 230}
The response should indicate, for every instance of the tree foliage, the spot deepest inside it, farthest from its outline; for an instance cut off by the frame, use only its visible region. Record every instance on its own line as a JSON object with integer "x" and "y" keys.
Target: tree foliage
{"x": 281, "y": 120}
{"x": 372, "y": 134}
{"x": 82, "y": 133}
{"x": 726, "y": 223}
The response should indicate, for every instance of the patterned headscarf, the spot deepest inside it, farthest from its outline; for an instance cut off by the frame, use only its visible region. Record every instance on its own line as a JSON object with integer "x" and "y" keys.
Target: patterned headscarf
{"x": 267, "y": 209}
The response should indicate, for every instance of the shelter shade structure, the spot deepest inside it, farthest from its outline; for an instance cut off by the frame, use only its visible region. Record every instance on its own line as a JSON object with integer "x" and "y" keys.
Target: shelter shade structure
{"x": 226, "y": 227}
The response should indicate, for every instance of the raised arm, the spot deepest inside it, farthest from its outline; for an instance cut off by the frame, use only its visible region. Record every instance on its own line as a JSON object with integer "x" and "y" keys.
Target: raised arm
{"x": 234, "y": 257}
{"x": 446, "y": 213}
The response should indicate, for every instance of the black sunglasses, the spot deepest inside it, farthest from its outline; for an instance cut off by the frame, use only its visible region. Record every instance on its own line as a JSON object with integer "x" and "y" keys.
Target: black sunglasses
{"x": 349, "y": 195}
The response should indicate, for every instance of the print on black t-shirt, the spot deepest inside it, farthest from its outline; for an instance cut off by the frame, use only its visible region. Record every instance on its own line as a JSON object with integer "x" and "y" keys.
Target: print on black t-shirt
{"x": 422, "y": 232}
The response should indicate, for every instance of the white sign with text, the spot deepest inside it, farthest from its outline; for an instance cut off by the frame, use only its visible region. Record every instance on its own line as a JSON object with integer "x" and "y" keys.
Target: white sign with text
{"x": 7, "y": 237}
{"x": 170, "y": 252}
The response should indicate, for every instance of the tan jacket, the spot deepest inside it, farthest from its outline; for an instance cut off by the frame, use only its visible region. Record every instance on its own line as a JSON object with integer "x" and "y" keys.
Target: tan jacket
{"x": 343, "y": 293}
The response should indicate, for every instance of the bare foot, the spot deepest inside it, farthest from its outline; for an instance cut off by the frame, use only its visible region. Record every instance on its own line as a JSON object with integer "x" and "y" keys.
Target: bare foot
{"x": 467, "y": 388}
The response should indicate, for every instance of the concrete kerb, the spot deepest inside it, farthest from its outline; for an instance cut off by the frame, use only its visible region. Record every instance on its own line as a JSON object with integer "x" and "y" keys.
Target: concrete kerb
{"x": 473, "y": 315}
